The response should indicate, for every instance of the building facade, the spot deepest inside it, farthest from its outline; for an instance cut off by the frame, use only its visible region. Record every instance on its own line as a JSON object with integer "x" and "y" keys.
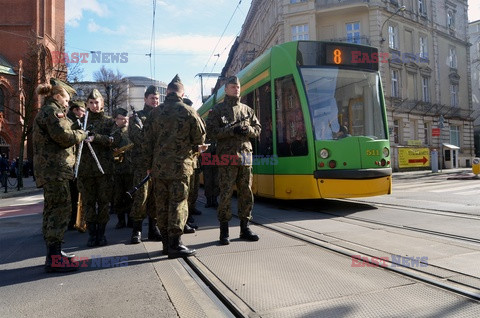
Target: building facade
{"x": 474, "y": 32}
{"x": 423, "y": 43}
{"x": 29, "y": 31}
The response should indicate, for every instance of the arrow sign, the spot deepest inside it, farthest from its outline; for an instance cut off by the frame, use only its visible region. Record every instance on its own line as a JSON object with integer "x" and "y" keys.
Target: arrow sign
{"x": 423, "y": 160}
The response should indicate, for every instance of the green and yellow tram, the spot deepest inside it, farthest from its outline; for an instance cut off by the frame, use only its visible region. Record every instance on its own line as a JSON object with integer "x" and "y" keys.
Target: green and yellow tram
{"x": 324, "y": 123}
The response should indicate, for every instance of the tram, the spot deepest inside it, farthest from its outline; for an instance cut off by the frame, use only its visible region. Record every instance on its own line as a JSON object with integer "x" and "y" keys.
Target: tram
{"x": 324, "y": 123}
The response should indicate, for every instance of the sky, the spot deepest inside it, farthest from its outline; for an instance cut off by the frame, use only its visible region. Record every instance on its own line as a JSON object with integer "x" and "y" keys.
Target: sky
{"x": 190, "y": 37}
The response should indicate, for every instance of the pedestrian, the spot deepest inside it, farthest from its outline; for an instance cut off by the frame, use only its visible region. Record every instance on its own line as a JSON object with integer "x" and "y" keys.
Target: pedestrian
{"x": 174, "y": 133}
{"x": 123, "y": 173}
{"x": 76, "y": 111}
{"x": 95, "y": 186}
{"x": 143, "y": 201}
{"x": 4, "y": 166}
{"x": 231, "y": 124}
{"x": 54, "y": 158}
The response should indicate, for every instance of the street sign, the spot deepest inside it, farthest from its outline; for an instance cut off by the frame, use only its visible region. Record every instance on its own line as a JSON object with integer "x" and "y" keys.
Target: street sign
{"x": 435, "y": 132}
{"x": 413, "y": 157}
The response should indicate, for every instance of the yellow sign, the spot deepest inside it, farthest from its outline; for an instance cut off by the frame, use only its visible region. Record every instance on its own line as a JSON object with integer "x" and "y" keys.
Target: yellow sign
{"x": 414, "y": 142}
{"x": 413, "y": 157}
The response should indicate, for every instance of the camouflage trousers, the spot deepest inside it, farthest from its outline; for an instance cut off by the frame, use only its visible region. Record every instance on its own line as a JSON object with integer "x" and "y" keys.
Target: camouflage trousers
{"x": 143, "y": 200}
{"x": 96, "y": 197}
{"x": 56, "y": 210}
{"x": 228, "y": 178}
{"x": 194, "y": 184}
{"x": 121, "y": 201}
{"x": 171, "y": 199}
{"x": 210, "y": 180}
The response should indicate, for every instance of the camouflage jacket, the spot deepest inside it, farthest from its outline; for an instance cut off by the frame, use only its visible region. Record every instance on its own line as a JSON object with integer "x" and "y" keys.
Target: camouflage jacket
{"x": 122, "y": 159}
{"x": 102, "y": 145}
{"x": 53, "y": 141}
{"x": 221, "y": 122}
{"x": 173, "y": 132}
{"x": 135, "y": 133}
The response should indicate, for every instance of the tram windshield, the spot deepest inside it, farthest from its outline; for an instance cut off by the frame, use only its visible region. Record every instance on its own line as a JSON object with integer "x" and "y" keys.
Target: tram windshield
{"x": 344, "y": 103}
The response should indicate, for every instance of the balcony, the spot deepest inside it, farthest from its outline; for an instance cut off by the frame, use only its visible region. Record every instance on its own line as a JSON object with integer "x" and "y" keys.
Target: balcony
{"x": 326, "y": 4}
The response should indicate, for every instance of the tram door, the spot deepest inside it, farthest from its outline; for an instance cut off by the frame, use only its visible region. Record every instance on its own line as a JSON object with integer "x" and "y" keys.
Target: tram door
{"x": 263, "y": 160}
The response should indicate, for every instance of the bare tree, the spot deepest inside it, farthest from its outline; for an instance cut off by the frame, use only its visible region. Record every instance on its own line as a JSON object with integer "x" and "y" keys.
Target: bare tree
{"x": 115, "y": 86}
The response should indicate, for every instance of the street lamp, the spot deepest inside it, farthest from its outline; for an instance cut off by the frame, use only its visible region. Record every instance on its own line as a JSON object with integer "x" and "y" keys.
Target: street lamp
{"x": 402, "y": 8}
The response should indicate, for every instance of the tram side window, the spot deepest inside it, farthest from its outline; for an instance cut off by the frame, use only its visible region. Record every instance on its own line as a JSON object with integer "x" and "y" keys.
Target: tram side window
{"x": 291, "y": 134}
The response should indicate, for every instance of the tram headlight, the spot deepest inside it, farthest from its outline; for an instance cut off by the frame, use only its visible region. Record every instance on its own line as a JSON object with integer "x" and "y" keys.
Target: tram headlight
{"x": 324, "y": 154}
{"x": 386, "y": 152}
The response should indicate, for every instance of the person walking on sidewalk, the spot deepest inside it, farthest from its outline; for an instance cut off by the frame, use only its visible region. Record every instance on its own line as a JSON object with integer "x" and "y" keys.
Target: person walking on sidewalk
{"x": 54, "y": 158}
{"x": 232, "y": 124}
{"x": 173, "y": 133}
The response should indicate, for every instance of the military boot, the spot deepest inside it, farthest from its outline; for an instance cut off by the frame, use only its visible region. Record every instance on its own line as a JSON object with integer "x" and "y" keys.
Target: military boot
{"x": 164, "y": 242}
{"x": 92, "y": 234}
{"x": 187, "y": 229}
{"x": 101, "y": 239}
{"x": 121, "y": 221}
{"x": 246, "y": 233}
{"x": 153, "y": 231}
{"x": 136, "y": 232}
{"x": 177, "y": 249}
{"x": 224, "y": 237}
{"x": 57, "y": 262}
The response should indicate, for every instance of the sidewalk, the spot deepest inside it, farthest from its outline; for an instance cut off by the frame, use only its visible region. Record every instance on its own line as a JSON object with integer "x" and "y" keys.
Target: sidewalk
{"x": 29, "y": 187}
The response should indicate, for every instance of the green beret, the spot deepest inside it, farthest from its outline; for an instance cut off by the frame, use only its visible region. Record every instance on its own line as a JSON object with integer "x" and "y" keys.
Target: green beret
{"x": 69, "y": 89}
{"x": 120, "y": 111}
{"x": 151, "y": 90}
{"x": 233, "y": 80}
{"x": 176, "y": 79}
{"x": 94, "y": 94}
{"x": 77, "y": 104}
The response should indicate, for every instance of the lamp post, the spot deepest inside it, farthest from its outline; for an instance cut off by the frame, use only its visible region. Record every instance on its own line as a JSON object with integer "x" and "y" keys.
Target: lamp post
{"x": 402, "y": 8}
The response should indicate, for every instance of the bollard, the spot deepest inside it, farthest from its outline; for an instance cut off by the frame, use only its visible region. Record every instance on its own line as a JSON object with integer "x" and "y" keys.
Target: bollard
{"x": 476, "y": 166}
{"x": 434, "y": 160}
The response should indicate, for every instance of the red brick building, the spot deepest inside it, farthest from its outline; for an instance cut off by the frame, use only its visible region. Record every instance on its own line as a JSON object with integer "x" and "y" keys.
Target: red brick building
{"x": 29, "y": 31}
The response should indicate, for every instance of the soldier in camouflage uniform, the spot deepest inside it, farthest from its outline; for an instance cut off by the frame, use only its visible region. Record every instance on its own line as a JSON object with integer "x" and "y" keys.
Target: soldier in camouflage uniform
{"x": 143, "y": 201}
{"x": 173, "y": 133}
{"x": 76, "y": 111}
{"x": 54, "y": 158}
{"x": 232, "y": 124}
{"x": 123, "y": 176}
{"x": 96, "y": 187}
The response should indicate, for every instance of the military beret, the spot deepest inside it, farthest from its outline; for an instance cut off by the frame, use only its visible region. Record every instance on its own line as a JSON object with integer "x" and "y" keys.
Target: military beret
{"x": 120, "y": 111}
{"x": 176, "y": 79}
{"x": 151, "y": 90}
{"x": 69, "y": 89}
{"x": 233, "y": 80}
{"x": 77, "y": 104}
{"x": 188, "y": 101}
{"x": 94, "y": 94}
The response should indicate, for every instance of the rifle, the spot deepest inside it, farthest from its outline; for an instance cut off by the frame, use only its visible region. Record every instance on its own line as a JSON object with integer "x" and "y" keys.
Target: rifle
{"x": 119, "y": 151}
{"x": 138, "y": 121}
{"x": 80, "y": 148}
{"x": 80, "y": 223}
{"x": 238, "y": 121}
{"x": 138, "y": 186}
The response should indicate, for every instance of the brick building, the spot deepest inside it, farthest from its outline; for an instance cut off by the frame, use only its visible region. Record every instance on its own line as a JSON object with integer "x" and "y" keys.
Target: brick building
{"x": 29, "y": 31}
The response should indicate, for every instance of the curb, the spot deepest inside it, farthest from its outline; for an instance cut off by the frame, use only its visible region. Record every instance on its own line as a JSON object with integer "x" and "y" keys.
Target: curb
{"x": 22, "y": 192}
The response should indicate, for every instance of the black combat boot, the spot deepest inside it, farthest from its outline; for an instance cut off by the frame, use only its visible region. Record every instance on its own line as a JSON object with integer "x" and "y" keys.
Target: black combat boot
{"x": 58, "y": 261}
{"x": 121, "y": 221}
{"x": 224, "y": 237}
{"x": 153, "y": 231}
{"x": 246, "y": 233}
{"x": 193, "y": 211}
{"x": 209, "y": 202}
{"x": 92, "y": 234}
{"x": 164, "y": 242}
{"x": 136, "y": 232}
{"x": 187, "y": 229}
{"x": 214, "y": 202}
{"x": 177, "y": 249}
{"x": 101, "y": 239}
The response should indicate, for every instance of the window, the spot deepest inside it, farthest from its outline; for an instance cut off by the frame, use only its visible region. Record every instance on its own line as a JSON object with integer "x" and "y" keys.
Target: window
{"x": 300, "y": 32}
{"x": 423, "y": 44}
{"x": 425, "y": 89}
{"x": 353, "y": 32}
{"x": 454, "y": 95}
{"x": 450, "y": 19}
{"x": 426, "y": 134}
{"x": 422, "y": 7}
{"x": 395, "y": 83}
{"x": 291, "y": 133}
{"x": 396, "y": 131}
{"x": 452, "y": 58}
{"x": 393, "y": 37}
{"x": 455, "y": 135}
{"x": 262, "y": 102}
